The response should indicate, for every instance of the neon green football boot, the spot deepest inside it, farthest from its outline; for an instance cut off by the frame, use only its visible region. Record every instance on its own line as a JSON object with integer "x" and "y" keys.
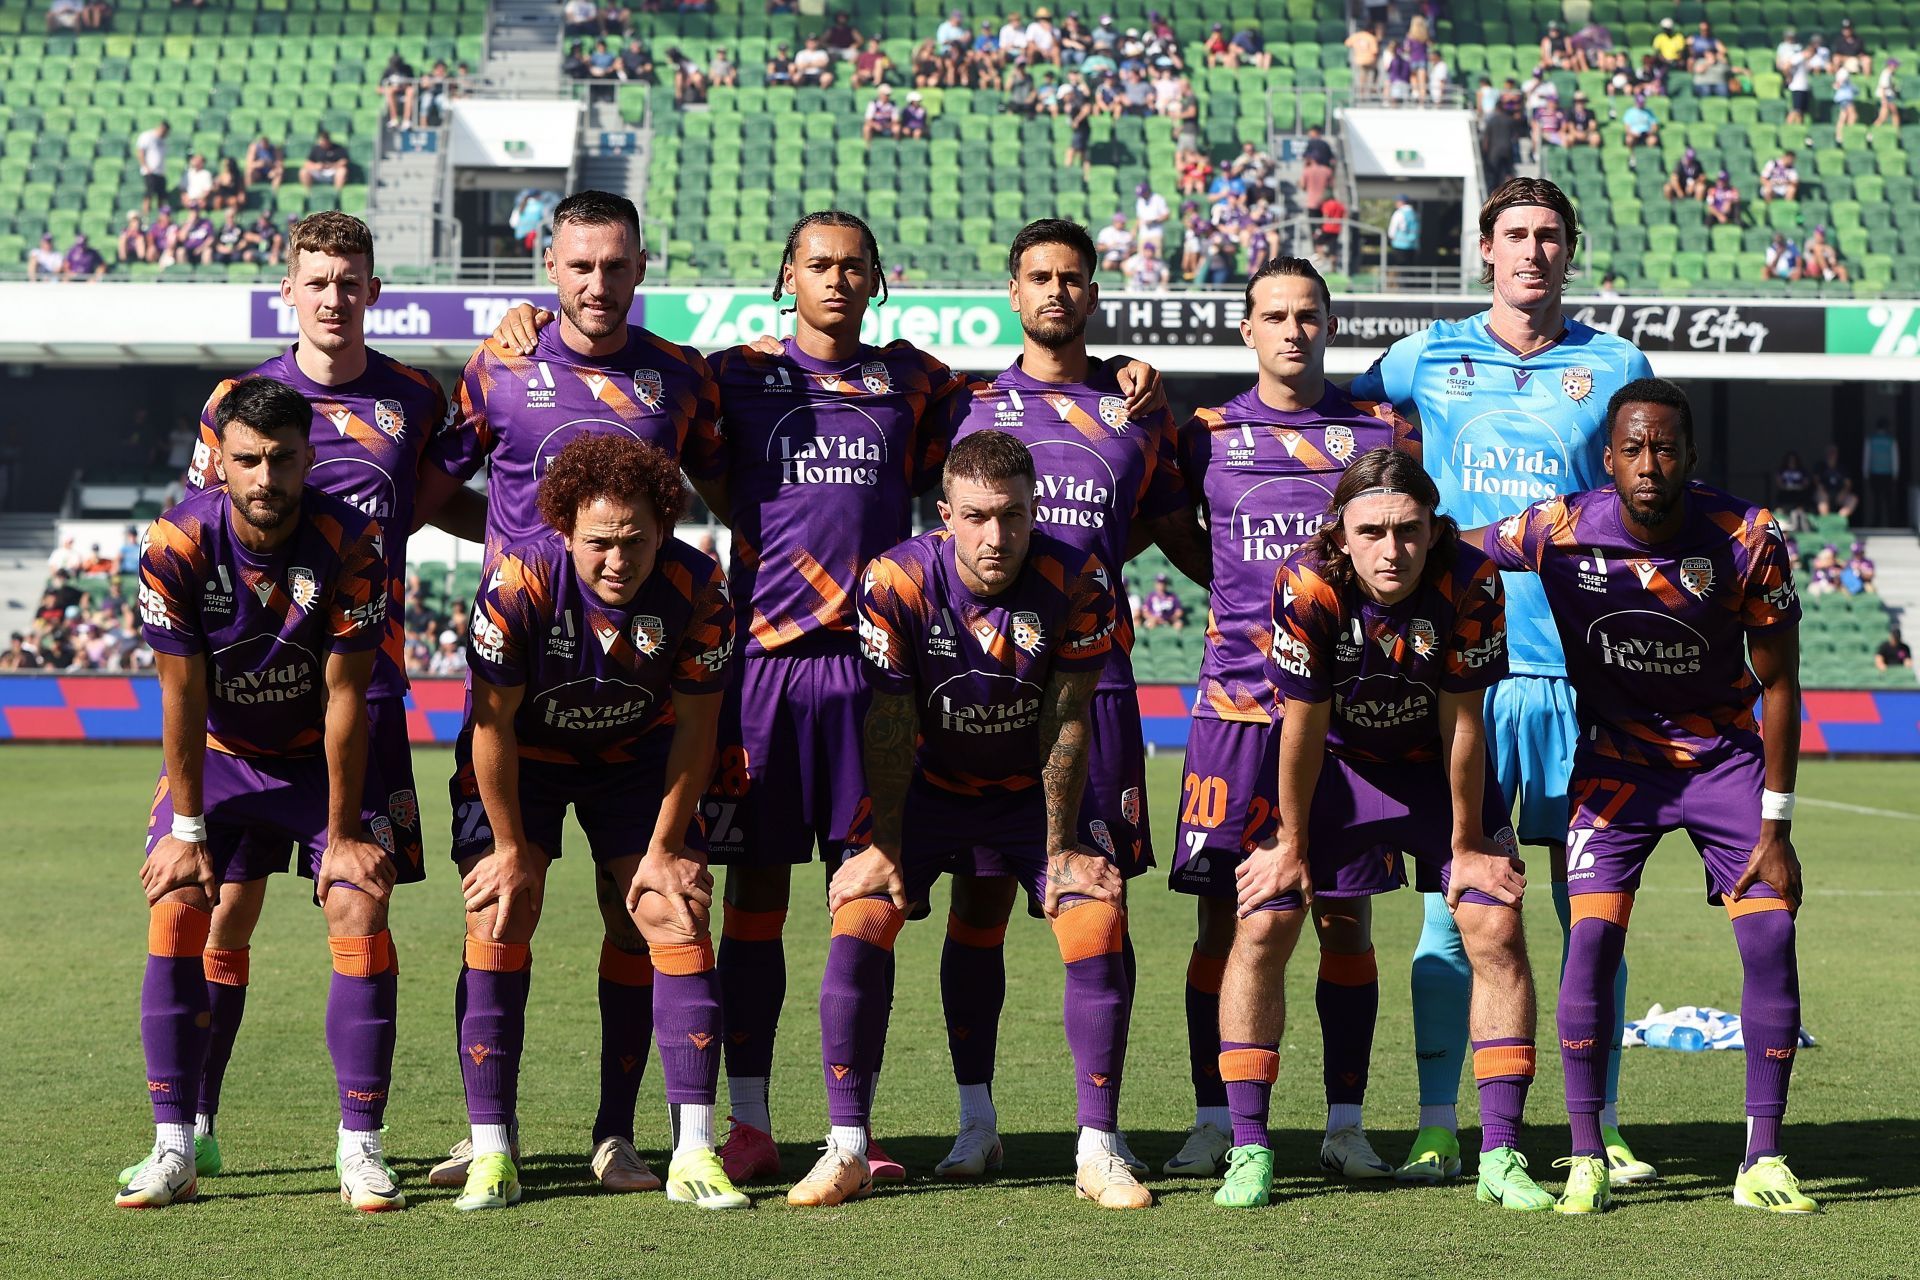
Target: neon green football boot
{"x": 1249, "y": 1181}
{"x": 1589, "y": 1190}
{"x": 1770, "y": 1185}
{"x": 492, "y": 1183}
{"x": 1435, "y": 1158}
{"x": 697, "y": 1178}
{"x": 1504, "y": 1181}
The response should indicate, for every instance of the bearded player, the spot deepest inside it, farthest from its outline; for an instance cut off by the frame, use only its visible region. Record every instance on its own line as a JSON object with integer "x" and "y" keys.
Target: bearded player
{"x": 1107, "y": 476}
{"x": 373, "y": 431}
{"x": 1263, "y": 467}
{"x": 1512, "y": 406}
{"x": 264, "y": 600}
{"x": 1663, "y": 592}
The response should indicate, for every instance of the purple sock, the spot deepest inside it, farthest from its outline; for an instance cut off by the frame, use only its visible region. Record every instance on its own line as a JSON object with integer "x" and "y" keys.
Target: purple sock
{"x": 1203, "y": 1028}
{"x": 1769, "y": 1020}
{"x": 626, "y": 1037}
{"x": 973, "y": 990}
{"x": 1096, "y": 1009}
{"x": 226, "y": 1006}
{"x": 1585, "y": 1019}
{"x": 173, "y": 1031}
{"x": 1249, "y": 1071}
{"x": 686, "y": 1019}
{"x": 752, "y": 963}
{"x": 360, "y": 1035}
{"x": 1503, "y": 1069}
{"x": 1347, "y": 997}
{"x": 855, "y": 995}
{"x": 493, "y": 1031}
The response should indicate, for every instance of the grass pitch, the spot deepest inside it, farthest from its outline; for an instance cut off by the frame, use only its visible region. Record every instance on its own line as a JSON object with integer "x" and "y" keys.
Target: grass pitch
{"x": 70, "y": 1058}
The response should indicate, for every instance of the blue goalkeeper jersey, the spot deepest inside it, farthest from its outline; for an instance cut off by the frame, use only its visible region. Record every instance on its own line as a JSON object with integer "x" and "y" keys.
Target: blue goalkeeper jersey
{"x": 1503, "y": 431}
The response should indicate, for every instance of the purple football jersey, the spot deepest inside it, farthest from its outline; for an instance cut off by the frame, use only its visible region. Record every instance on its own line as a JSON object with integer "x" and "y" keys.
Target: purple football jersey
{"x": 370, "y": 438}
{"x": 1655, "y": 636}
{"x": 598, "y": 678}
{"x": 1098, "y": 469}
{"x": 976, "y": 667}
{"x": 1385, "y": 666}
{"x": 516, "y": 412}
{"x": 265, "y": 623}
{"x": 822, "y": 461}
{"x": 1264, "y": 480}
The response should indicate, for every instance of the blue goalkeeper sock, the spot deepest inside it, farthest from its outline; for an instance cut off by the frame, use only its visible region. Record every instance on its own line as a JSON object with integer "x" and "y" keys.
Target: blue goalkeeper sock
{"x": 1563, "y": 908}
{"x": 1442, "y": 992}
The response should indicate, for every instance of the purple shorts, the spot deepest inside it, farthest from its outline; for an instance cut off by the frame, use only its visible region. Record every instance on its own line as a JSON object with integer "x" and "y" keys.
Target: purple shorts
{"x": 260, "y": 808}
{"x": 615, "y": 804}
{"x": 1227, "y": 807}
{"x": 1113, "y": 808}
{"x": 791, "y": 775}
{"x": 389, "y": 797}
{"x": 1621, "y": 810}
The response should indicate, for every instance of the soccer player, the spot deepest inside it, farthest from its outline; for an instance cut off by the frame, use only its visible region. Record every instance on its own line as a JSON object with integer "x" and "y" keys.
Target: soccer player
{"x": 1387, "y": 631}
{"x": 373, "y": 425}
{"x": 984, "y": 641}
{"x": 1512, "y": 409}
{"x": 1107, "y": 475}
{"x": 1263, "y": 467}
{"x": 1663, "y": 592}
{"x": 824, "y": 442}
{"x": 264, "y": 600}
{"x": 599, "y": 656}
{"x": 590, "y": 374}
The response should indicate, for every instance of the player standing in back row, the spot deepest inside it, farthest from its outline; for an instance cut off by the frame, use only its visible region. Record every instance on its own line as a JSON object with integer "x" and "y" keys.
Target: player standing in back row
{"x": 1263, "y": 467}
{"x": 1512, "y": 405}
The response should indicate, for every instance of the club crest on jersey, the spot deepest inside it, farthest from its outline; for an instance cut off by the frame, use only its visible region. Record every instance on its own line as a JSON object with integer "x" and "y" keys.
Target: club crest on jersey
{"x": 1696, "y": 575}
{"x": 875, "y": 378}
{"x": 647, "y": 385}
{"x": 390, "y": 417}
{"x": 649, "y": 634}
{"x": 1113, "y": 412}
{"x": 1340, "y": 443}
{"x": 381, "y": 829}
{"x": 1026, "y": 631}
{"x": 1423, "y": 638}
{"x": 1577, "y": 382}
{"x": 1130, "y": 805}
{"x": 1098, "y": 830}
{"x": 404, "y": 808}
{"x": 303, "y": 587}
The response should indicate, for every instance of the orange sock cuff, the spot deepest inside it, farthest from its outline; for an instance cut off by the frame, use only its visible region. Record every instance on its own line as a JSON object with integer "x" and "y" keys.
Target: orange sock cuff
{"x": 1747, "y": 906}
{"x": 683, "y": 960}
{"x": 1205, "y": 972}
{"x": 1344, "y": 970}
{"x": 178, "y": 930}
{"x": 1503, "y": 1060}
{"x": 497, "y": 957}
{"x": 1614, "y": 908}
{"x": 230, "y": 967}
{"x": 970, "y": 935}
{"x": 366, "y": 957}
{"x": 1088, "y": 930}
{"x": 1250, "y": 1064}
{"x": 872, "y": 920}
{"x": 626, "y": 968}
{"x": 752, "y": 926}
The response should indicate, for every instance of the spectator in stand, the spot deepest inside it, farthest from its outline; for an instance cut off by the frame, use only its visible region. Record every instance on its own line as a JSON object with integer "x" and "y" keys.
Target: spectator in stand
{"x": 1688, "y": 181}
{"x": 264, "y": 243}
{"x": 882, "y": 120}
{"x": 196, "y": 184}
{"x": 1194, "y": 230}
{"x": 1012, "y": 40}
{"x": 1787, "y": 51}
{"x": 151, "y": 149}
{"x": 1136, "y": 95}
{"x": 602, "y": 62}
{"x": 581, "y": 18}
{"x": 18, "y": 656}
{"x": 1880, "y": 464}
{"x": 1713, "y": 76}
{"x": 1162, "y": 606}
{"x": 1669, "y": 46}
{"x": 399, "y": 90}
{"x": 1076, "y": 104}
{"x": 1363, "y": 54}
{"x": 1252, "y": 48}
{"x": 636, "y": 63}
{"x": 1222, "y": 256}
{"x": 1316, "y": 170}
{"x": 1833, "y": 488}
{"x": 1260, "y": 234}
{"x": 1145, "y": 270}
{"x": 871, "y": 66}
{"x": 162, "y": 232}
{"x": 1500, "y": 141}
{"x": 1549, "y": 123}
{"x": 1703, "y": 41}
{"x": 134, "y": 245}
{"x": 953, "y": 30}
{"x": 67, "y": 559}
{"x": 1799, "y": 73}
{"x": 1042, "y": 40}
{"x": 528, "y": 221}
{"x": 1593, "y": 39}
{"x": 1722, "y": 201}
{"x": 449, "y": 659}
{"x": 1827, "y": 575}
{"x": 1439, "y": 78}
{"x": 1115, "y": 242}
{"x": 1185, "y": 114}
{"x": 1557, "y": 50}
{"x": 128, "y": 565}
{"x": 1892, "y": 653}
{"x": 1845, "y": 94}
{"x": 326, "y": 162}
{"x": 1639, "y": 126}
{"x": 1850, "y": 51}
{"x": 1610, "y": 286}
{"x": 1780, "y": 180}
{"x": 194, "y": 241}
{"x": 229, "y": 238}
{"x": 1255, "y": 167}
{"x": 436, "y": 92}
{"x": 813, "y": 65}
{"x": 926, "y": 66}
{"x": 1219, "y": 48}
{"x": 1333, "y": 224}
{"x": 1888, "y": 95}
{"x": 913, "y": 117}
{"x": 1792, "y": 489}
{"x": 229, "y": 188}
{"x": 1582, "y": 127}
{"x": 1022, "y": 99}
{"x": 45, "y": 261}
{"x": 1403, "y": 232}
{"x": 1418, "y": 49}
{"x": 1076, "y": 42}
{"x": 1150, "y": 214}
{"x": 1857, "y": 576}
{"x": 841, "y": 38}
{"x": 265, "y": 163}
{"x": 689, "y": 78}
{"x": 1399, "y": 73}
{"x": 1783, "y": 256}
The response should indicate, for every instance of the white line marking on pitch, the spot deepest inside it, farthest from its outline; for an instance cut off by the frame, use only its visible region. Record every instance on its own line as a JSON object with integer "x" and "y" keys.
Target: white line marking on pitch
{"x": 1859, "y": 808}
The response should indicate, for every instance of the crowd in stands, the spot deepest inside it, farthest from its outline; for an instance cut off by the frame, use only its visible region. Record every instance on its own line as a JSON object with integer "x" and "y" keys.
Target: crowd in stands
{"x": 85, "y": 619}
{"x": 416, "y": 101}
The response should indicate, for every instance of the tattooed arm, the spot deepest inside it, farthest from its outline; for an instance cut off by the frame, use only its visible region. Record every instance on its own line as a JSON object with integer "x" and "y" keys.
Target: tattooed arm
{"x": 888, "y": 735}
{"x": 1072, "y": 870}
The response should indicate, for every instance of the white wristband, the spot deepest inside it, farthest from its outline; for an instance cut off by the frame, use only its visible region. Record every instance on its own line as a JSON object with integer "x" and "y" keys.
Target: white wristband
{"x": 1776, "y": 806}
{"x": 189, "y": 830}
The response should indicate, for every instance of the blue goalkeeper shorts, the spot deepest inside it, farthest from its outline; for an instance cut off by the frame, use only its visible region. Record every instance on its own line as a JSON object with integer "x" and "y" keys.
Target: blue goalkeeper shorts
{"x": 1531, "y": 733}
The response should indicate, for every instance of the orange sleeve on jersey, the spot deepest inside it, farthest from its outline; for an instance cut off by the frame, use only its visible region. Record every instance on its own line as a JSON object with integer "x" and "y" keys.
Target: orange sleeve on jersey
{"x": 706, "y": 650}
{"x": 1090, "y": 613}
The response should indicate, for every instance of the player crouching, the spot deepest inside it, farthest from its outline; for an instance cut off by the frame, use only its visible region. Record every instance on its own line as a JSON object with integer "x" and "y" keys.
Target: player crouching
{"x": 1387, "y": 631}
{"x": 600, "y": 651}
